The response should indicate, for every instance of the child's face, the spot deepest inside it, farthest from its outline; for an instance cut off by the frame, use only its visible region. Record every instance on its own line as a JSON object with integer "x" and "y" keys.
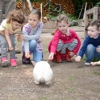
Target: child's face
{"x": 63, "y": 26}
{"x": 15, "y": 25}
{"x": 33, "y": 20}
{"x": 93, "y": 32}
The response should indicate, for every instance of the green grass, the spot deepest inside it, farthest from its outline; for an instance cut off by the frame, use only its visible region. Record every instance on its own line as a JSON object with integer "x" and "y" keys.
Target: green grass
{"x": 95, "y": 59}
{"x": 71, "y": 79}
{"x": 84, "y": 58}
{"x": 71, "y": 90}
{"x": 97, "y": 73}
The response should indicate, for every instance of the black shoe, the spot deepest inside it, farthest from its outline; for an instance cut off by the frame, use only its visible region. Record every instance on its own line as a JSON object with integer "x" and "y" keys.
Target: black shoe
{"x": 87, "y": 63}
{"x": 17, "y": 51}
{"x": 25, "y": 60}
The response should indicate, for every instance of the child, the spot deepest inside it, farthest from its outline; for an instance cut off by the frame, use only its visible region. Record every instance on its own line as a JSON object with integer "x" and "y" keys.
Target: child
{"x": 91, "y": 44}
{"x": 65, "y": 41}
{"x": 31, "y": 37}
{"x": 8, "y": 28}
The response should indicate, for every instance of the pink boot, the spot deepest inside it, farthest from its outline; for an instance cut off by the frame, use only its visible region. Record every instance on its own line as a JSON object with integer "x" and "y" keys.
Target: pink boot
{"x": 4, "y": 62}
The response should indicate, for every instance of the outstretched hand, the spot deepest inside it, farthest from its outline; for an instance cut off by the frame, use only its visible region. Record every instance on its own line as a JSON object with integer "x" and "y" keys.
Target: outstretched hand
{"x": 78, "y": 59}
{"x": 71, "y": 54}
{"x": 51, "y": 56}
{"x": 27, "y": 55}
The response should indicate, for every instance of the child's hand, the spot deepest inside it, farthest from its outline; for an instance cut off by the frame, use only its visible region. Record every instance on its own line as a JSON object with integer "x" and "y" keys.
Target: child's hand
{"x": 98, "y": 49}
{"x": 20, "y": 38}
{"x": 71, "y": 54}
{"x": 51, "y": 56}
{"x": 10, "y": 48}
{"x": 93, "y": 63}
{"x": 27, "y": 55}
{"x": 78, "y": 59}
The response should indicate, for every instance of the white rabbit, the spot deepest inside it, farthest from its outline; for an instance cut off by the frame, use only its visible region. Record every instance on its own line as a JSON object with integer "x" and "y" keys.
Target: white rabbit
{"x": 42, "y": 72}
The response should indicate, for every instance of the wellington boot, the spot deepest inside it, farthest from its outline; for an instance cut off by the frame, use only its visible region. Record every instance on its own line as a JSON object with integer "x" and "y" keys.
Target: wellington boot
{"x": 68, "y": 58}
{"x": 58, "y": 57}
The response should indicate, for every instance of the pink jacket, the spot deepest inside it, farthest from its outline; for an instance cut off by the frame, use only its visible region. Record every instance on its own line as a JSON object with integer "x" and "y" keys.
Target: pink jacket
{"x": 65, "y": 39}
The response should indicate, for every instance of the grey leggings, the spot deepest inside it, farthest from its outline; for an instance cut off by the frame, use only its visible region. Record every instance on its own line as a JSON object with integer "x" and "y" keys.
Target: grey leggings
{"x": 4, "y": 46}
{"x": 61, "y": 46}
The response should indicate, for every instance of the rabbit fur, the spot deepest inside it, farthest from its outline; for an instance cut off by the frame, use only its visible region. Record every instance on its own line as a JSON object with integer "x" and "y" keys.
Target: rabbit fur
{"x": 42, "y": 73}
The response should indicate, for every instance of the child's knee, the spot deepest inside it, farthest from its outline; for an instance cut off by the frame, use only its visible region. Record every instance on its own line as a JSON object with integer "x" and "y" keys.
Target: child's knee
{"x": 33, "y": 42}
{"x": 90, "y": 47}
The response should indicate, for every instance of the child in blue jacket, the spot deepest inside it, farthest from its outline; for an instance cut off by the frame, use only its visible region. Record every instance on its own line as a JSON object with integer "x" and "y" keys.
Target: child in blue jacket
{"x": 91, "y": 44}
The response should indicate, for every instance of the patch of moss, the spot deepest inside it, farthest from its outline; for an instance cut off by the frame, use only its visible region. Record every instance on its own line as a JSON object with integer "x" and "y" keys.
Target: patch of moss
{"x": 97, "y": 73}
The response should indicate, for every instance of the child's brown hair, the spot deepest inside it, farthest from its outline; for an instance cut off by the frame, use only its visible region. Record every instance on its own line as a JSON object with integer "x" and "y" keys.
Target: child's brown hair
{"x": 95, "y": 23}
{"x": 16, "y": 15}
{"x": 62, "y": 17}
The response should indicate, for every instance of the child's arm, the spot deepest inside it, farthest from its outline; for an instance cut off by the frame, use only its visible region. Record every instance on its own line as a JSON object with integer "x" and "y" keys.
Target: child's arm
{"x": 8, "y": 38}
{"x": 95, "y": 63}
{"x": 51, "y": 56}
{"x": 75, "y": 36}
{"x": 35, "y": 36}
{"x": 26, "y": 46}
{"x": 30, "y": 37}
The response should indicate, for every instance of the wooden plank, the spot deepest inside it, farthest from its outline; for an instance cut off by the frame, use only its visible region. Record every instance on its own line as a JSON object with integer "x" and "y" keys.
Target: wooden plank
{"x": 91, "y": 11}
{"x": 95, "y": 11}
{"x": 95, "y": 14}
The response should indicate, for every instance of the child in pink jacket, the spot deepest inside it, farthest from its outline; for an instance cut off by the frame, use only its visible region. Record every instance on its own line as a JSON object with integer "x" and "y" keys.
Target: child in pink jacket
{"x": 65, "y": 43}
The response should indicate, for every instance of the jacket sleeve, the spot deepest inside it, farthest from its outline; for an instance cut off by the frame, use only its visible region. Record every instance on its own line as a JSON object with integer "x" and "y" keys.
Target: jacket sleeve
{"x": 84, "y": 46}
{"x": 26, "y": 46}
{"x": 76, "y": 49}
{"x": 54, "y": 42}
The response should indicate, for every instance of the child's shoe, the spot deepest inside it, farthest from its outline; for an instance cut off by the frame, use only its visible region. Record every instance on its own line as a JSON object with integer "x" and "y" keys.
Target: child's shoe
{"x": 25, "y": 60}
{"x": 68, "y": 58}
{"x": 4, "y": 62}
{"x": 57, "y": 57}
{"x": 87, "y": 63}
{"x": 13, "y": 62}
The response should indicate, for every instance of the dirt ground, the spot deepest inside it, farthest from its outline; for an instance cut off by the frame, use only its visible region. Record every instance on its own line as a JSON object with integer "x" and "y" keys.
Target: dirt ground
{"x": 71, "y": 81}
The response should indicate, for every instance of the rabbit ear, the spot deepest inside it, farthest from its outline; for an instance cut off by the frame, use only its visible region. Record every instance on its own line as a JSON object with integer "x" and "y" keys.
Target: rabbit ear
{"x": 33, "y": 63}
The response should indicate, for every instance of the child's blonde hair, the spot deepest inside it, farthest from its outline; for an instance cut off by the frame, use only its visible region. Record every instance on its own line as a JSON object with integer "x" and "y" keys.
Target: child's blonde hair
{"x": 62, "y": 17}
{"x": 16, "y": 15}
{"x": 95, "y": 23}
